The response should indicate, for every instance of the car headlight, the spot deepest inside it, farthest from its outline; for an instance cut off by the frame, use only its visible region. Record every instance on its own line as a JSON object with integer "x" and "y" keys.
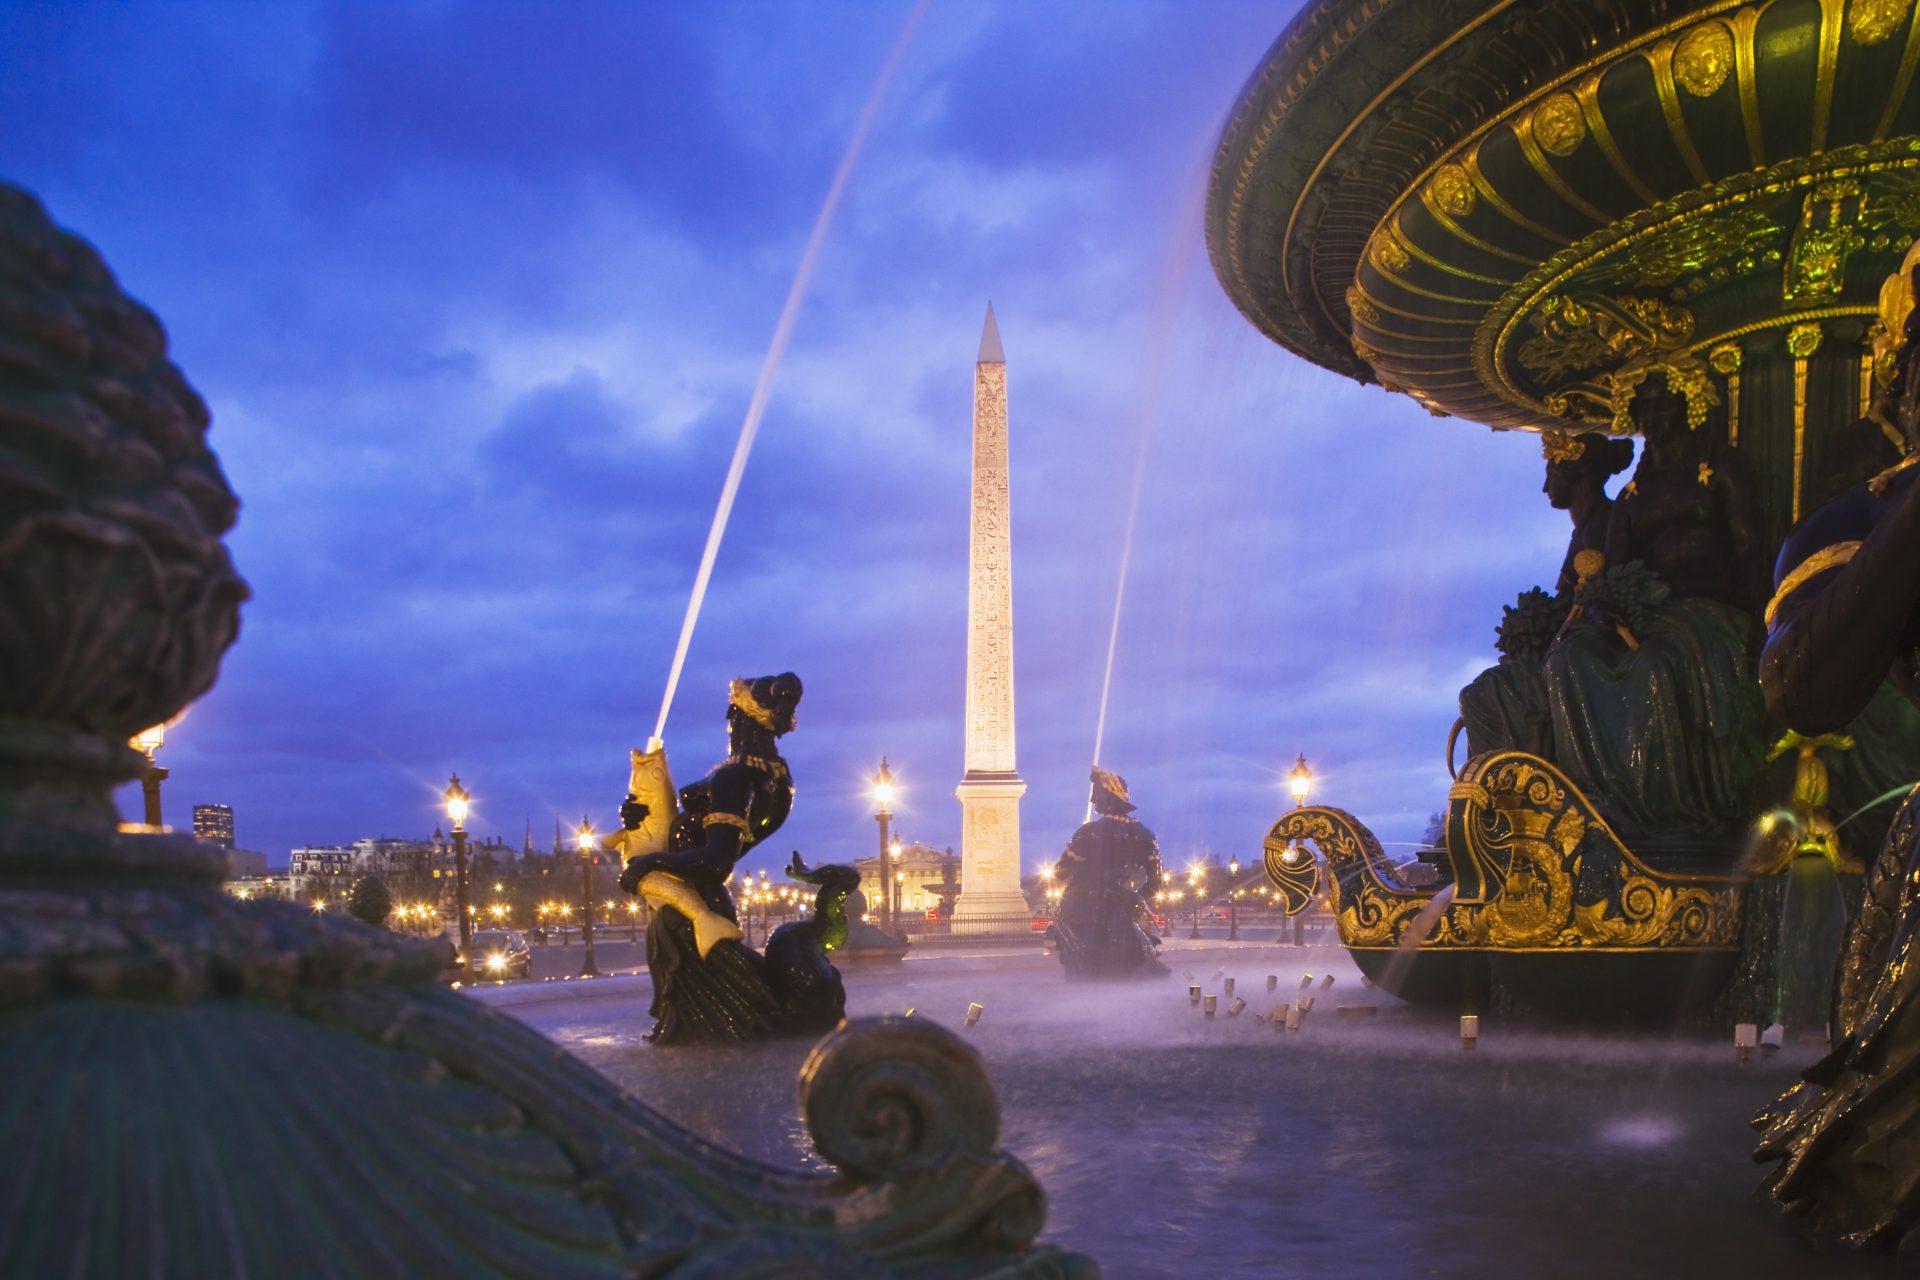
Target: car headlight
{"x": 496, "y": 961}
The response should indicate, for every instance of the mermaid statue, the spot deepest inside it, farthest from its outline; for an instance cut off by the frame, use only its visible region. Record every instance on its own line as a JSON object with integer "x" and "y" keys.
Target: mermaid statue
{"x": 1844, "y": 616}
{"x": 708, "y": 986}
{"x": 1109, "y": 870}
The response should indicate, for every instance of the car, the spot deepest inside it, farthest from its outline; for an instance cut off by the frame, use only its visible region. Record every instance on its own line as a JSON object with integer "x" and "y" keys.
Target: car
{"x": 1159, "y": 921}
{"x": 501, "y": 954}
{"x": 1041, "y": 924}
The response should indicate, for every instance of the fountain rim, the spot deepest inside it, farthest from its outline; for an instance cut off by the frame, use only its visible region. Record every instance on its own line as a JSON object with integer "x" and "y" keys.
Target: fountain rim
{"x": 1310, "y": 257}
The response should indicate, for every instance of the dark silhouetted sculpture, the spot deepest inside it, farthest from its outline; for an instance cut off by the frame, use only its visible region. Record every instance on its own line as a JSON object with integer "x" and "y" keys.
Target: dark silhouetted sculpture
{"x": 1109, "y": 871}
{"x": 806, "y": 986}
{"x": 1644, "y": 696}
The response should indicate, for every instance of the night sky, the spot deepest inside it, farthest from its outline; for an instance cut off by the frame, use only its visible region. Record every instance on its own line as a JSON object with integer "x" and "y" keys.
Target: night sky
{"x": 478, "y": 294}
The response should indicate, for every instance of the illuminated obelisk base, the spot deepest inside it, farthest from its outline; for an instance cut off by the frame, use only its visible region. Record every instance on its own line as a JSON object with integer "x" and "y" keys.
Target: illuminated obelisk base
{"x": 990, "y": 846}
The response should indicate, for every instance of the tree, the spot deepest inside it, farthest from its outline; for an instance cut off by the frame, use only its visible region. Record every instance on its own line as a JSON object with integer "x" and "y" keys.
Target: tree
{"x": 1435, "y": 836}
{"x": 370, "y": 900}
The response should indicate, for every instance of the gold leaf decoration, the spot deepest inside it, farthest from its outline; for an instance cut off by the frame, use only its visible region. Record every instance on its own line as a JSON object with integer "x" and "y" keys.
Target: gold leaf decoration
{"x": 1387, "y": 253}
{"x": 1704, "y": 58}
{"x": 1576, "y": 336}
{"x": 1359, "y": 308}
{"x": 1803, "y": 340}
{"x": 1725, "y": 358}
{"x": 1698, "y": 242}
{"x": 1558, "y": 125}
{"x": 1452, "y": 190}
{"x": 1871, "y": 22}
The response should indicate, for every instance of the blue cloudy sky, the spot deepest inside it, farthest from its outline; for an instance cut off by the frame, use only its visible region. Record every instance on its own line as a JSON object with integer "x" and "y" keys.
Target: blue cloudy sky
{"x": 478, "y": 294}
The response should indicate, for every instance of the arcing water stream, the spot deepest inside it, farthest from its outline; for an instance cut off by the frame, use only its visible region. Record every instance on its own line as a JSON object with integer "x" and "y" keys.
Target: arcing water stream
{"x": 1186, "y": 244}
{"x": 782, "y": 331}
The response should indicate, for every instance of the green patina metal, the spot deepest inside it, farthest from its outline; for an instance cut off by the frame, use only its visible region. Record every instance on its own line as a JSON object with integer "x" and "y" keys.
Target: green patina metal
{"x": 1492, "y": 207}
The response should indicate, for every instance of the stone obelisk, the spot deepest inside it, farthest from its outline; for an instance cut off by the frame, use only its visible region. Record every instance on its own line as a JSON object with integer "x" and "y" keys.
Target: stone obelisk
{"x": 991, "y": 790}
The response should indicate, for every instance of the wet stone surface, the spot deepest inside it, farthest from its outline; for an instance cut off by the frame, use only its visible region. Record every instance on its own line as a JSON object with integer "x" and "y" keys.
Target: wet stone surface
{"x": 1360, "y": 1146}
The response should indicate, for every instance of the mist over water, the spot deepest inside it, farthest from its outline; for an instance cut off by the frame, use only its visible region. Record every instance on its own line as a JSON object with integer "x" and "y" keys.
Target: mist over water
{"x": 1364, "y": 1145}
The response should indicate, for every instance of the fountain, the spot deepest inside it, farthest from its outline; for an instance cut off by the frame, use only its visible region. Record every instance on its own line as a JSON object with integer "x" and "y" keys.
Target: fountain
{"x": 1610, "y": 234}
{"x": 1674, "y": 224}
{"x": 183, "y": 1065}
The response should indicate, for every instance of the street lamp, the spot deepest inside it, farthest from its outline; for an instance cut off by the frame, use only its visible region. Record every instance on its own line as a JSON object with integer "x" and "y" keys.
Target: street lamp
{"x": 883, "y": 814}
{"x": 1233, "y": 899}
{"x": 893, "y": 850}
{"x": 585, "y": 836}
{"x": 148, "y": 741}
{"x": 1300, "y": 781}
{"x": 457, "y": 814}
{"x": 1193, "y": 880}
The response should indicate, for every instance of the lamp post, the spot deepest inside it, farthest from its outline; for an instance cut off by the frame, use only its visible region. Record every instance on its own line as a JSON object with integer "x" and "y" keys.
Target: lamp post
{"x": 883, "y": 814}
{"x": 894, "y": 883}
{"x": 585, "y": 835}
{"x": 1193, "y": 881}
{"x": 457, "y": 814}
{"x": 1233, "y": 899}
{"x": 1300, "y": 781}
{"x": 148, "y": 741}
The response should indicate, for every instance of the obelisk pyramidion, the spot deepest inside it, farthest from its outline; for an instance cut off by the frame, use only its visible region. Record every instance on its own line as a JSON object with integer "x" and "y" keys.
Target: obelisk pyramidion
{"x": 991, "y": 790}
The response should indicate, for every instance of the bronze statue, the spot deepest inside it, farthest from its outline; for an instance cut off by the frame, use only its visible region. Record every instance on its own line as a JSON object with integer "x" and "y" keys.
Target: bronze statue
{"x": 1109, "y": 870}
{"x": 707, "y": 985}
{"x": 1578, "y": 468}
{"x": 1505, "y": 706}
{"x": 1689, "y": 513}
{"x": 1845, "y": 614}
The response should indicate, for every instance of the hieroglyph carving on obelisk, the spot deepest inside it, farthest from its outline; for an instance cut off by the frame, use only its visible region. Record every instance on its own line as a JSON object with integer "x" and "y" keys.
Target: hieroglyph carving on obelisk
{"x": 991, "y": 790}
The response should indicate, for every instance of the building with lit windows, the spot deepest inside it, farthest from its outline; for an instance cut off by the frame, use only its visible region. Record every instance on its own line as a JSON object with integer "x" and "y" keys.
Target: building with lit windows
{"x": 214, "y": 824}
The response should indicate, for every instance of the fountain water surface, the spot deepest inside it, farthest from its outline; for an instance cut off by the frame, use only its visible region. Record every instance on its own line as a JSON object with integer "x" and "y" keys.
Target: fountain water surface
{"x": 1355, "y": 1147}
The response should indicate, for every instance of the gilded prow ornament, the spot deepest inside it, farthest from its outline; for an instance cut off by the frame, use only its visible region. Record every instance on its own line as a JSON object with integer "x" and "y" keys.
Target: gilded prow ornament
{"x": 1533, "y": 878}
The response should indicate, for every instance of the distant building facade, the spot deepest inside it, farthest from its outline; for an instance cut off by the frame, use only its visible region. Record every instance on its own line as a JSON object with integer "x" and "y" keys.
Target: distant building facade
{"x": 214, "y": 824}
{"x": 929, "y": 879}
{"x": 246, "y": 864}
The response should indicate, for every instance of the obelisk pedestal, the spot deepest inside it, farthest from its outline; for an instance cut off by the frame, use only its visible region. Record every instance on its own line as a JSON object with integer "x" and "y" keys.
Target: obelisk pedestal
{"x": 991, "y": 790}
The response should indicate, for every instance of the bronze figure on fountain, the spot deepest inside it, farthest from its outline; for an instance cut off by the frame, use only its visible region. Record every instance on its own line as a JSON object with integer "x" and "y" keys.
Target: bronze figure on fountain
{"x": 1109, "y": 871}
{"x": 1845, "y": 614}
{"x": 708, "y": 985}
{"x": 1635, "y": 676}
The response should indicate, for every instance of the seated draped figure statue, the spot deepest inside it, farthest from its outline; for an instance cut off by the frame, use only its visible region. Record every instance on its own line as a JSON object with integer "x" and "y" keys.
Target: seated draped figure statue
{"x": 1505, "y": 707}
{"x": 1644, "y": 692}
{"x": 1845, "y": 614}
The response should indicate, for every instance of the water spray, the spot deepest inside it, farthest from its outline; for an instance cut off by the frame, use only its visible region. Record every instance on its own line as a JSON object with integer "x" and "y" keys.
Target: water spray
{"x": 1149, "y": 421}
{"x": 782, "y": 331}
